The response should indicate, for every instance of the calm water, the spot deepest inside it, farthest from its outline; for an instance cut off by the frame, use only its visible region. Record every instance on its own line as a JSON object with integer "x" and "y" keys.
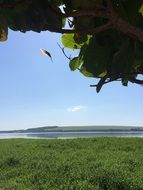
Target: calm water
{"x": 66, "y": 135}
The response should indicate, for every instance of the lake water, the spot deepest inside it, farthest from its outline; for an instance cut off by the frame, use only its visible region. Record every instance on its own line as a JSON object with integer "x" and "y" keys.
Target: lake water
{"x": 66, "y": 135}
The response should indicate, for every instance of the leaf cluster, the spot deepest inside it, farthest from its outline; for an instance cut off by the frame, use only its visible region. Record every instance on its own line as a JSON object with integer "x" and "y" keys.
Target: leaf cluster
{"x": 29, "y": 15}
{"x": 108, "y": 34}
{"x": 109, "y": 55}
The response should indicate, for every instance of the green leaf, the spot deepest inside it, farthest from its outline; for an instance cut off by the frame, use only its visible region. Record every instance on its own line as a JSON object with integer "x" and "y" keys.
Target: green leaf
{"x": 85, "y": 72}
{"x": 25, "y": 18}
{"x": 141, "y": 9}
{"x": 124, "y": 58}
{"x": 96, "y": 58}
{"x": 82, "y": 39}
{"x": 104, "y": 73}
{"x": 75, "y": 63}
{"x": 69, "y": 42}
{"x": 63, "y": 22}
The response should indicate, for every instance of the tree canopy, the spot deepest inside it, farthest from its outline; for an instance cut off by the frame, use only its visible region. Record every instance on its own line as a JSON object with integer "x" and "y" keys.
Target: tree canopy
{"x": 108, "y": 34}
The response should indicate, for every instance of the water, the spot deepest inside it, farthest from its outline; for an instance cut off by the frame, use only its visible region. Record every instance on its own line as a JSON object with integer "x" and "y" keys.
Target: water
{"x": 67, "y": 135}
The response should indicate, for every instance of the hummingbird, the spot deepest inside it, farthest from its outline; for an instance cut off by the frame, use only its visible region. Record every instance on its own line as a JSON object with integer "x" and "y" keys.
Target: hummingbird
{"x": 46, "y": 53}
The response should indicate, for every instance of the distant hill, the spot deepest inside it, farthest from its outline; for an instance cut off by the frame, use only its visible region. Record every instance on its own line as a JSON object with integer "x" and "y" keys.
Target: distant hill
{"x": 96, "y": 128}
{"x": 76, "y": 129}
{"x": 42, "y": 129}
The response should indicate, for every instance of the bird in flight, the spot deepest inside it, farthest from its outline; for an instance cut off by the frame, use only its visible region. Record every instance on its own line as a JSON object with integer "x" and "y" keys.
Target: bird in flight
{"x": 46, "y": 53}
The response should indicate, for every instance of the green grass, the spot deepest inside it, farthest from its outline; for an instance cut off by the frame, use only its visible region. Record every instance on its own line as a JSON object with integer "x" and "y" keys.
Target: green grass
{"x": 75, "y": 164}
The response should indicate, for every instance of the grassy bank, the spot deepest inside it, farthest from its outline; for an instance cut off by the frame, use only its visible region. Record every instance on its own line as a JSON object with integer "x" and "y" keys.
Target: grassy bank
{"x": 78, "y": 164}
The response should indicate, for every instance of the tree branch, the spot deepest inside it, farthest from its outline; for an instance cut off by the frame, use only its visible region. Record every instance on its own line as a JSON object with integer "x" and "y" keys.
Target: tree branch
{"x": 137, "y": 81}
{"x": 63, "y": 50}
{"x": 108, "y": 12}
{"x": 98, "y": 29}
{"x": 128, "y": 29}
{"x": 101, "y": 13}
{"x": 117, "y": 22}
{"x": 108, "y": 79}
{"x": 122, "y": 25}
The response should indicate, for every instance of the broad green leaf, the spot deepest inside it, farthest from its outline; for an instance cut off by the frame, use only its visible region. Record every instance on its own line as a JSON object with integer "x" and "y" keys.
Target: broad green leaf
{"x": 85, "y": 72}
{"x": 96, "y": 58}
{"x": 103, "y": 74}
{"x": 141, "y": 9}
{"x": 82, "y": 39}
{"x": 82, "y": 51}
{"x": 24, "y": 18}
{"x": 69, "y": 42}
{"x": 75, "y": 63}
{"x": 124, "y": 58}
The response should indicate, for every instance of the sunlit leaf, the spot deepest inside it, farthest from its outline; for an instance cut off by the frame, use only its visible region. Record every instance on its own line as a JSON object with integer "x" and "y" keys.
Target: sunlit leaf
{"x": 69, "y": 42}
{"x": 104, "y": 73}
{"x": 141, "y": 9}
{"x": 75, "y": 63}
{"x": 85, "y": 72}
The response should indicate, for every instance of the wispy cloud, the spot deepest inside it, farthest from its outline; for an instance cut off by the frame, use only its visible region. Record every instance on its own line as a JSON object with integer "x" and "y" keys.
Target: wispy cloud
{"x": 76, "y": 108}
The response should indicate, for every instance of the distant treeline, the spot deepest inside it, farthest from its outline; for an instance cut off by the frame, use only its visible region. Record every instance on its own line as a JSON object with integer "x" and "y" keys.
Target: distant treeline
{"x": 76, "y": 129}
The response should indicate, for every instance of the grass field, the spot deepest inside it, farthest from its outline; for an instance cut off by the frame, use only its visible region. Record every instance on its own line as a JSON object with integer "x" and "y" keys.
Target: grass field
{"x": 75, "y": 164}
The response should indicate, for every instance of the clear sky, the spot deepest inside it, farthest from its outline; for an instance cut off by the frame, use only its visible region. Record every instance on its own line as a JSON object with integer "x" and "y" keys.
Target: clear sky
{"x": 35, "y": 92}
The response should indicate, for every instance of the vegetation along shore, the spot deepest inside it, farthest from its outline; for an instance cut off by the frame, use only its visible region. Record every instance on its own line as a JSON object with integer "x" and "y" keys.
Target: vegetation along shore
{"x": 73, "y": 164}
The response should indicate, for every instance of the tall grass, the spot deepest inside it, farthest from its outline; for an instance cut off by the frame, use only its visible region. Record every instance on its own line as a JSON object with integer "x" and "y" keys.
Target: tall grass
{"x": 77, "y": 164}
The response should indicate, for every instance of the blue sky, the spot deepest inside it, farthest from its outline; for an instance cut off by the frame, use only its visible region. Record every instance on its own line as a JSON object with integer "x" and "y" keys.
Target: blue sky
{"x": 35, "y": 92}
